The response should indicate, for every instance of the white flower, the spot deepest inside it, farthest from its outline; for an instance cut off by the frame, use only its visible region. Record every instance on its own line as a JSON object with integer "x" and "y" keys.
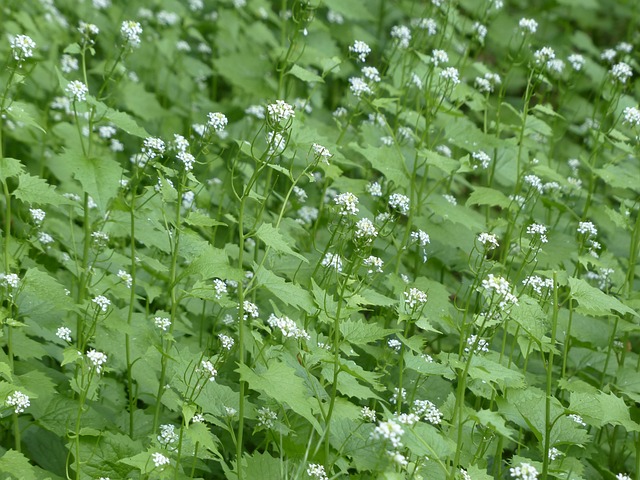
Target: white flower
{"x": 632, "y": 116}
{"x": 421, "y": 238}
{"x": 539, "y": 230}
{"x": 365, "y": 230}
{"x": 481, "y": 345}
{"x": 335, "y": 17}
{"x": 22, "y": 47}
{"x": 389, "y": 430}
{"x": 19, "y": 401}
{"x": 444, "y": 150}
{"x": 439, "y": 56}
{"x": 576, "y": 61}
{"x": 535, "y": 182}
{"x": 361, "y": 49}
{"x": 621, "y": 476}
{"x": 537, "y": 283}
{"x": 220, "y": 288}
{"x": 543, "y": 55}
{"x": 97, "y": 359}
{"x": 102, "y": 302}
{"x": 131, "y": 31}
{"x": 399, "y": 202}
{"x": 64, "y": 333}
{"x": 266, "y": 417}
{"x": 76, "y": 91}
{"x": 125, "y": 277}
{"x": 277, "y": 143}
{"x": 162, "y": 323}
{"x": 621, "y": 72}
{"x": 577, "y": 419}
{"x": 375, "y": 264}
{"x": 374, "y": 189}
{"x": 415, "y": 297}
{"x": 480, "y": 31}
{"x": 227, "y": 341}
{"x": 450, "y": 74}
{"x": 427, "y": 410}
{"x": 250, "y": 310}
{"x": 208, "y": 368}
{"x": 525, "y": 471}
{"x": 159, "y": 460}
{"x": 44, "y": 238}
{"x": 280, "y": 111}
{"x": 359, "y": 86}
{"x": 368, "y": 415}
{"x": 321, "y": 152}
{"x": 371, "y": 73}
{"x": 394, "y": 344}
{"x": 37, "y": 215}
{"x": 608, "y": 55}
{"x": 555, "y": 453}
{"x": 167, "y": 18}
{"x": 287, "y": 327}
{"x": 428, "y": 24}
{"x": 347, "y": 202}
{"x": 68, "y": 64}
{"x": 153, "y": 147}
{"x": 332, "y": 260}
{"x": 528, "y": 25}
{"x": 88, "y": 30}
{"x": 481, "y": 159}
{"x": 317, "y": 471}
{"x": 167, "y": 434}
{"x": 218, "y": 121}
{"x": 499, "y": 286}
{"x": 587, "y": 228}
{"x": 489, "y": 240}
{"x": 450, "y": 198}
{"x": 187, "y": 160}
{"x": 402, "y": 34}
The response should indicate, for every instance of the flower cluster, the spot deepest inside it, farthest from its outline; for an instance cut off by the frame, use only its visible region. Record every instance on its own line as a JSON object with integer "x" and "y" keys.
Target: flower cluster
{"x": 287, "y": 326}
{"x": 389, "y": 430}
{"x": 374, "y": 263}
{"x": 365, "y": 230}
{"x": 415, "y": 298}
{"x": 347, "y": 202}
{"x": 537, "y": 229}
{"x": 525, "y": 471}
{"x": 162, "y": 323}
{"x": 317, "y": 471}
{"x": 400, "y": 202}
{"x": 159, "y": 460}
{"x": 19, "y": 401}
{"x": 537, "y": 283}
{"x": 131, "y": 32}
{"x": 97, "y": 359}
{"x": 361, "y": 49}
{"x": 428, "y": 411}
{"x": 76, "y": 91}
{"x": 481, "y": 345}
{"x": 280, "y": 111}
{"x": 207, "y": 367}
{"x": 489, "y": 240}
{"x": 332, "y": 260}
{"x": 500, "y": 286}
{"x": 102, "y": 302}
{"x": 22, "y": 47}
{"x": 267, "y": 417}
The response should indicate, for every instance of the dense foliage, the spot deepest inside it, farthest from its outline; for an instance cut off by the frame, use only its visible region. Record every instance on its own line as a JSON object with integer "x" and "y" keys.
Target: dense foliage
{"x": 251, "y": 239}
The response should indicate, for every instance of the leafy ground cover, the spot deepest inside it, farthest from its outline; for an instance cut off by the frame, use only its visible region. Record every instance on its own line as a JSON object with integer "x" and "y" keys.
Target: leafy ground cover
{"x": 300, "y": 239}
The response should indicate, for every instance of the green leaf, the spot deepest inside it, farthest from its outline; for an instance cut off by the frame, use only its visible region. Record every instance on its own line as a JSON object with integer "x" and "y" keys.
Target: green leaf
{"x": 24, "y": 113}
{"x": 305, "y": 75}
{"x": 263, "y": 466}
{"x": 360, "y": 333}
{"x": 602, "y": 409}
{"x": 280, "y": 382}
{"x": 288, "y": 292}
{"x": 279, "y": 242}
{"x": 488, "y": 196}
{"x": 387, "y": 160}
{"x": 36, "y": 190}
{"x": 13, "y": 462}
{"x": 198, "y": 219}
{"x": 592, "y": 301}
{"x": 199, "y": 433}
{"x": 10, "y": 167}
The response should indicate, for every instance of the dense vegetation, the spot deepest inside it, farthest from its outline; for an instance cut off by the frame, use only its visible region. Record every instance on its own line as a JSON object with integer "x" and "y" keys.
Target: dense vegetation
{"x": 361, "y": 239}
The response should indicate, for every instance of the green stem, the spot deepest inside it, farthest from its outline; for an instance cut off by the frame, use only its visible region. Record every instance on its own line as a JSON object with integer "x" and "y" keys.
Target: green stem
{"x": 127, "y": 338}
{"x": 548, "y": 424}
